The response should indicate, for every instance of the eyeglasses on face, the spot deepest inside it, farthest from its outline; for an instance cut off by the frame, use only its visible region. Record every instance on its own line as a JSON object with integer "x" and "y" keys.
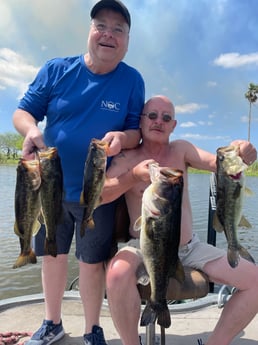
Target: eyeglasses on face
{"x": 152, "y": 115}
{"x": 117, "y": 31}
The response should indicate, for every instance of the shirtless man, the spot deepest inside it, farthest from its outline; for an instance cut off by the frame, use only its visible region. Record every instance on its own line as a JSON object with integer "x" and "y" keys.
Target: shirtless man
{"x": 129, "y": 174}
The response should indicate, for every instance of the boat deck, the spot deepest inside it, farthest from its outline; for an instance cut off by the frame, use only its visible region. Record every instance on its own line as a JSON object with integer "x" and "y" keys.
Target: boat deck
{"x": 190, "y": 321}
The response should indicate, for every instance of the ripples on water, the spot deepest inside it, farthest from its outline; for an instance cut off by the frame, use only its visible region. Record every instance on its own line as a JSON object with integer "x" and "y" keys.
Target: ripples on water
{"x": 27, "y": 280}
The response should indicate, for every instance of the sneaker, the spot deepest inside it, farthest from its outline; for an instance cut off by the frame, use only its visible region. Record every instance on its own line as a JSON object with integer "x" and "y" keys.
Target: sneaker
{"x": 200, "y": 342}
{"x": 47, "y": 334}
{"x": 95, "y": 338}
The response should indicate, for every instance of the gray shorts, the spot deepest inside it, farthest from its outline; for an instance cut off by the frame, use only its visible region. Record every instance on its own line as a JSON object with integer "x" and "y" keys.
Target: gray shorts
{"x": 94, "y": 246}
{"x": 194, "y": 254}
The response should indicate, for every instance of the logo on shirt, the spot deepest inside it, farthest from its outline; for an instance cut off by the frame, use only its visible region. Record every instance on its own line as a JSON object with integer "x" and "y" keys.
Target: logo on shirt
{"x": 110, "y": 105}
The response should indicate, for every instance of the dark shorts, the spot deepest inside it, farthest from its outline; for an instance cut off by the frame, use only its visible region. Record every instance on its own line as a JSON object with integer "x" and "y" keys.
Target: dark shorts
{"x": 94, "y": 246}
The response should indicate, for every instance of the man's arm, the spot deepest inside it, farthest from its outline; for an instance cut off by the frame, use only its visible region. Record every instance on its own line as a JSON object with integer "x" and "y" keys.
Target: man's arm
{"x": 118, "y": 141}
{"x": 122, "y": 175}
{"x": 200, "y": 159}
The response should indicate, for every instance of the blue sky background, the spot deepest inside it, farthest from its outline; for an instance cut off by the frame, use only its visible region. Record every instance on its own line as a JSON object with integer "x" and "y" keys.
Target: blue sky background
{"x": 201, "y": 53}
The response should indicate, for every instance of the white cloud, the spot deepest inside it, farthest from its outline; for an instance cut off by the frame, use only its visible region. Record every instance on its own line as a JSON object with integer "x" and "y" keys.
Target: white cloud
{"x": 189, "y": 108}
{"x": 187, "y": 124}
{"x": 212, "y": 83}
{"x": 15, "y": 71}
{"x": 235, "y": 60}
{"x": 245, "y": 119}
{"x": 204, "y": 137}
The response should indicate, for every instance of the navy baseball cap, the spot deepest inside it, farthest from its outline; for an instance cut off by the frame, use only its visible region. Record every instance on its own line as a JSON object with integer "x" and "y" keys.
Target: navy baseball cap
{"x": 115, "y": 5}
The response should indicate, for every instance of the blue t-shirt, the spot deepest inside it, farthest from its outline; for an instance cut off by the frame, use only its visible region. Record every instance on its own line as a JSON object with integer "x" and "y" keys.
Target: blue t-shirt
{"x": 80, "y": 105}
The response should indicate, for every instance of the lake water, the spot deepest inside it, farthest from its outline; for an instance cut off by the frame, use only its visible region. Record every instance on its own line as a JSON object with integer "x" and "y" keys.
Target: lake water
{"x": 27, "y": 280}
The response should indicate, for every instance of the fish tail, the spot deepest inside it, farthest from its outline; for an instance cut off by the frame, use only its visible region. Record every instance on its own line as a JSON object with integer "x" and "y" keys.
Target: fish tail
{"x": 89, "y": 224}
{"x": 149, "y": 315}
{"x": 233, "y": 257}
{"x": 164, "y": 319}
{"x": 245, "y": 254}
{"x": 25, "y": 259}
{"x": 153, "y": 312}
{"x": 50, "y": 247}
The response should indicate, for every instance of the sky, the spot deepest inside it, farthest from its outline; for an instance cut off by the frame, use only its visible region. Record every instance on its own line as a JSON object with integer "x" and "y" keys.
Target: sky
{"x": 202, "y": 54}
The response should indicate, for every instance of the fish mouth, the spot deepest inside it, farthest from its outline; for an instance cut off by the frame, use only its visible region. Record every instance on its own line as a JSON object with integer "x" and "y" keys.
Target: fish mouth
{"x": 51, "y": 152}
{"x": 100, "y": 144}
{"x": 228, "y": 149}
{"x": 236, "y": 176}
{"x": 170, "y": 172}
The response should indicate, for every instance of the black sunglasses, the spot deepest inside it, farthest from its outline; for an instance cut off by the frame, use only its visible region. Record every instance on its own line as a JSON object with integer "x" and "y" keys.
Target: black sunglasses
{"x": 153, "y": 116}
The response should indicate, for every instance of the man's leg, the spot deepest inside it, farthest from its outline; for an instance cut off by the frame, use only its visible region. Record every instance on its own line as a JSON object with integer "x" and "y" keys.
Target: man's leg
{"x": 92, "y": 250}
{"x": 123, "y": 296}
{"x": 92, "y": 289}
{"x": 242, "y": 306}
{"x": 54, "y": 278}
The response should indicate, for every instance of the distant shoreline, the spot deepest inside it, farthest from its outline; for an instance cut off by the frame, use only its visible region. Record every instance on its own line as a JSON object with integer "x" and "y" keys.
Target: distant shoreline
{"x": 251, "y": 171}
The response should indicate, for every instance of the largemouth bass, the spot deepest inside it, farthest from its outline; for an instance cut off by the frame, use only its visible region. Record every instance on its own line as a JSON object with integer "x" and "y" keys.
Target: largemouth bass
{"x": 230, "y": 194}
{"x": 51, "y": 195}
{"x": 27, "y": 208}
{"x": 160, "y": 238}
{"x": 93, "y": 181}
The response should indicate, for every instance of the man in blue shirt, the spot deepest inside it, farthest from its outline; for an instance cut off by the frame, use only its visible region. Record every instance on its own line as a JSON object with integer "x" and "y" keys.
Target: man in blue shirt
{"x": 94, "y": 95}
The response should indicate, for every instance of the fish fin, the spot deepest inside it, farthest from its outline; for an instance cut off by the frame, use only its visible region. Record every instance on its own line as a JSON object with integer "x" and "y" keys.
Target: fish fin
{"x": 233, "y": 257}
{"x": 149, "y": 315}
{"x": 50, "y": 247}
{"x": 98, "y": 202}
{"x": 142, "y": 275}
{"x": 180, "y": 272}
{"x": 90, "y": 223}
{"x": 244, "y": 223}
{"x": 248, "y": 192}
{"x": 41, "y": 218}
{"x": 17, "y": 231}
{"x": 245, "y": 254}
{"x": 23, "y": 260}
{"x": 82, "y": 201}
{"x": 217, "y": 224}
{"x": 36, "y": 227}
{"x": 137, "y": 224}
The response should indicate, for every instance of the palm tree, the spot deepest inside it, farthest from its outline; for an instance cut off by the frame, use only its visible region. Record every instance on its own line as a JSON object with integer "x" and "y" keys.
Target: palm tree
{"x": 251, "y": 95}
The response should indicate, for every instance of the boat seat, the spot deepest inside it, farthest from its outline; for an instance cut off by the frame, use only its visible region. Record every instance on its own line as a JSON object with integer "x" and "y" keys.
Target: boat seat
{"x": 195, "y": 285}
